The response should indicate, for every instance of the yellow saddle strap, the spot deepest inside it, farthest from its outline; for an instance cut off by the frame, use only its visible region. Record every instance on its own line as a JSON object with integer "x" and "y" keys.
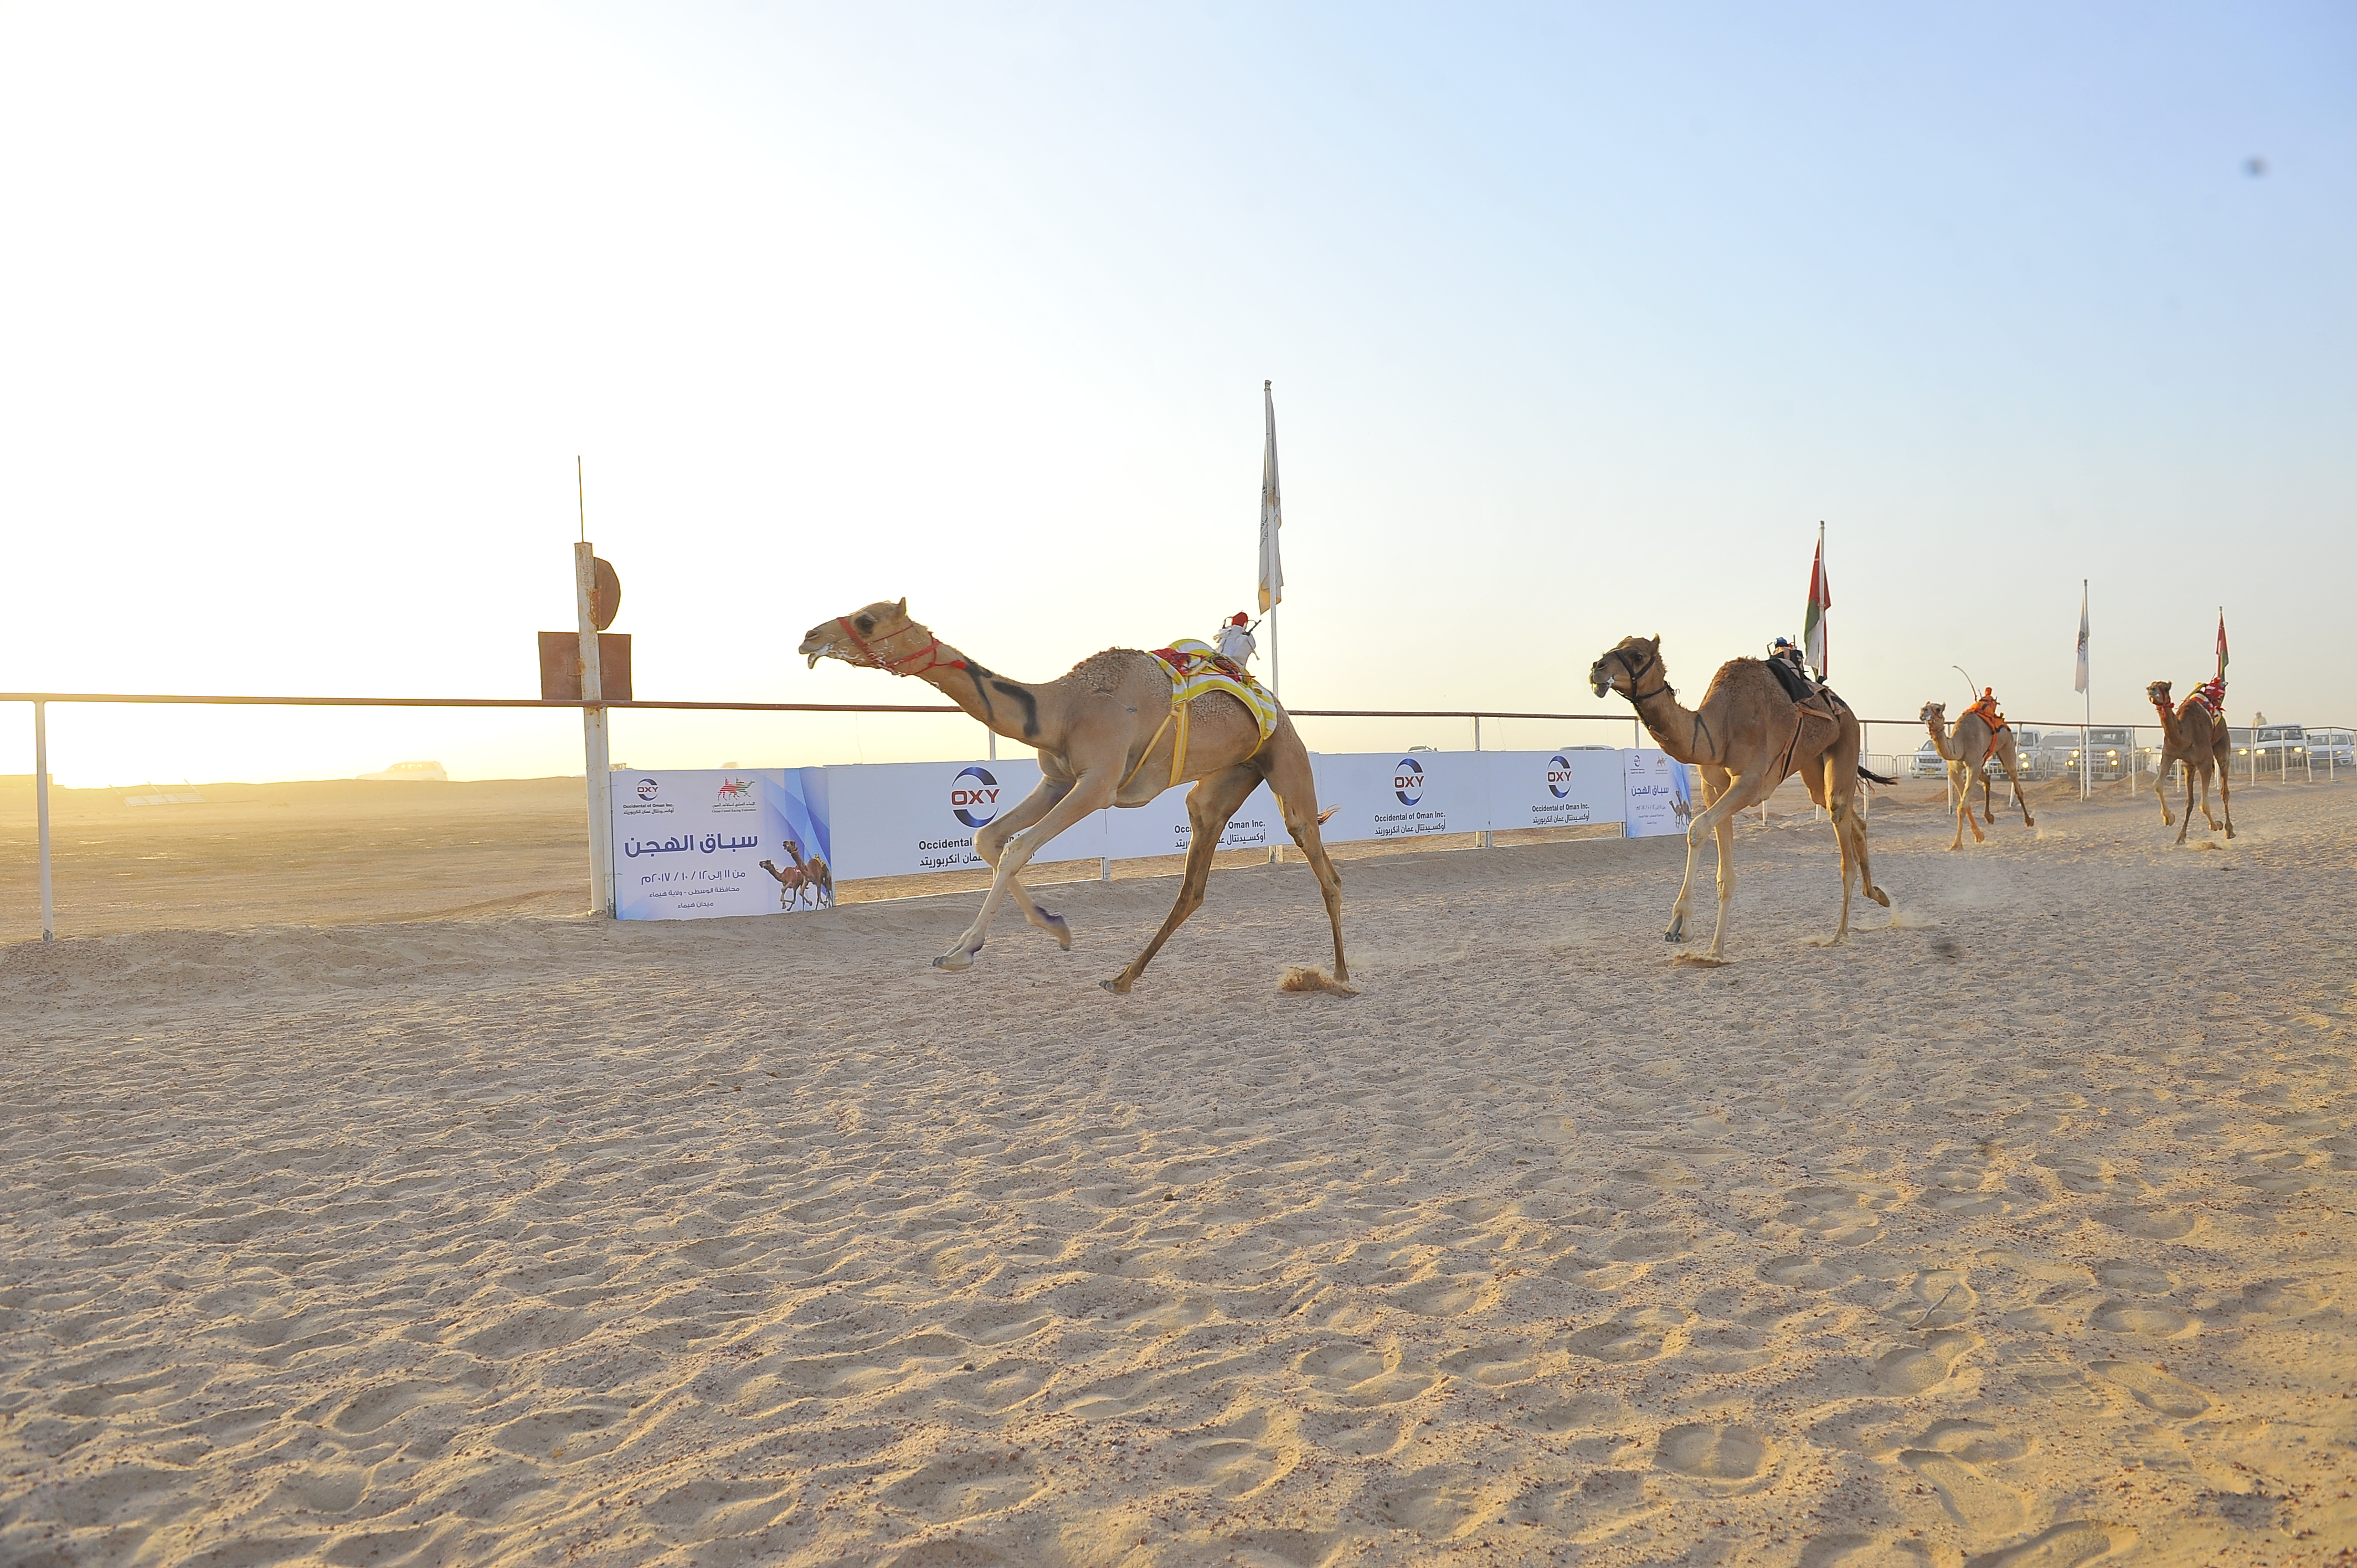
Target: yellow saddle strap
{"x": 1177, "y": 752}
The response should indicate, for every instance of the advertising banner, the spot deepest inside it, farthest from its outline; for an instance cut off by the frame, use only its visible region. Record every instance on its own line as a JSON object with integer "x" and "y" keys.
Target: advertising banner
{"x": 1661, "y": 797}
{"x": 1160, "y": 826}
{"x": 1576, "y": 786}
{"x": 897, "y": 819}
{"x": 689, "y": 846}
{"x": 1396, "y": 795}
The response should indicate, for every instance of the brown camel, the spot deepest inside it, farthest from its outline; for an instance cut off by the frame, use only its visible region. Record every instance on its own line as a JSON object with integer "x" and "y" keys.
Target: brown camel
{"x": 1748, "y": 738}
{"x": 1108, "y": 734}
{"x": 2204, "y": 745}
{"x": 1968, "y": 755}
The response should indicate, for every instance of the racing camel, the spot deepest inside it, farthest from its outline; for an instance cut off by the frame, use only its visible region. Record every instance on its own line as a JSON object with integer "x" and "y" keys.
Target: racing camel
{"x": 1748, "y": 738}
{"x": 1982, "y": 736}
{"x": 1109, "y": 733}
{"x": 2191, "y": 736}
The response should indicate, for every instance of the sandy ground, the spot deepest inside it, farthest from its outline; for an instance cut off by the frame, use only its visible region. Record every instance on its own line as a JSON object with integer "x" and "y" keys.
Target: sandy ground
{"x": 2020, "y": 1232}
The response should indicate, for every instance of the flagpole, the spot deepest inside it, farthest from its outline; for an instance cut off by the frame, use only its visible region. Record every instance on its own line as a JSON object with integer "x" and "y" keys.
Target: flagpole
{"x": 2086, "y": 739}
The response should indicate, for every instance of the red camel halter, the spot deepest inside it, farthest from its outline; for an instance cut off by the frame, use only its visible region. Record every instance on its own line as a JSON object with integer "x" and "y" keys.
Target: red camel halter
{"x": 933, "y": 647}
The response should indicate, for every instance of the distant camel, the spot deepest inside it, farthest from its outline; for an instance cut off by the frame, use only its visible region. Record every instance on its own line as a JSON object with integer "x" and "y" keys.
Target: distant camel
{"x": 1748, "y": 738}
{"x": 1967, "y": 754}
{"x": 1109, "y": 733}
{"x": 2204, "y": 745}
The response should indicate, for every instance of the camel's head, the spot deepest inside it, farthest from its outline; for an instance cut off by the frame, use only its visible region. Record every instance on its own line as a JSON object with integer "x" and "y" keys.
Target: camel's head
{"x": 852, "y": 638}
{"x": 1934, "y": 713}
{"x": 1624, "y": 663}
{"x": 2158, "y": 693}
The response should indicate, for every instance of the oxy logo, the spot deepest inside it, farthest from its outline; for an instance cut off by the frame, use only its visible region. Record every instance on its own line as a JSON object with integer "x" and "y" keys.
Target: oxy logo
{"x": 1407, "y": 782}
{"x": 648, "y": 789}
{"x": 1558, "y": 770}
{"x": 973, "y": 797}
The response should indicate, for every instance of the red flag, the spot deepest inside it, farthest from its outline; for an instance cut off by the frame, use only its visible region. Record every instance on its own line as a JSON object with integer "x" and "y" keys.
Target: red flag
{"x": 2222, "y": 643}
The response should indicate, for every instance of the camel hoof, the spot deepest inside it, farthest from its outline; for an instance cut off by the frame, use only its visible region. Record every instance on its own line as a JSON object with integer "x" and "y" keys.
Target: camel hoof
{"x": 1677, "y": 932}
{"x": 1879, "y": 897}
{"x": 957, "y": 958}
{"x": 1059, "y": 929}
{"x": 1118, "y": 984}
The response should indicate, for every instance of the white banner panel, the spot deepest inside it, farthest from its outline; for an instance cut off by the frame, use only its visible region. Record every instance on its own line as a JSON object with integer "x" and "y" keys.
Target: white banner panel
{"x": 688, "y": 846}
{"x": 1660, "y": 797}
{"x": 1394, "y": 795}
{"x": 1160, "y": 826}
{"x": 897, "y": 819}
{"x": 1572, "y": 787}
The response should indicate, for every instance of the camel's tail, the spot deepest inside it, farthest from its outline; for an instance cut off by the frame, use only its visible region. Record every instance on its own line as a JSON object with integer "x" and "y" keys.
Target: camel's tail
{"x": 1876, "y": 778}
{"x": 1326, "y": 815}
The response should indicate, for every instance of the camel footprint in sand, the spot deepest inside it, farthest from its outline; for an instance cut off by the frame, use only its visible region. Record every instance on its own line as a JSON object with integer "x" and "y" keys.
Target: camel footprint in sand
{"x": 1950, "y": 1455}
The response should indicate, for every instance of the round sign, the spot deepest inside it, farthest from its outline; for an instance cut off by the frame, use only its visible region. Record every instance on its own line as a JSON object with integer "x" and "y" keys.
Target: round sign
{"x": 604, "y": 593}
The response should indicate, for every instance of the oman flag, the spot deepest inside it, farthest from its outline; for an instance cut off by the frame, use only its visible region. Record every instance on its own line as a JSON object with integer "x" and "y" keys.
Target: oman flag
{"x": 2222, "y": 643}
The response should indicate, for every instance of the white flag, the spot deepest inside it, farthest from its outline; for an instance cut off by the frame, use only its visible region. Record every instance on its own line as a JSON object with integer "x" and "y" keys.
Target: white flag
{"x": 1271, "y": 514}
{"x": 2080, "y": 683}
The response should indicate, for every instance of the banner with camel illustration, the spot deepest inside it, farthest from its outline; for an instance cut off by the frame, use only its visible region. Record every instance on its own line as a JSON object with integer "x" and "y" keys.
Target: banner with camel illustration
{"x": 1660, "y": 794}
{"x": 690, "y": 845}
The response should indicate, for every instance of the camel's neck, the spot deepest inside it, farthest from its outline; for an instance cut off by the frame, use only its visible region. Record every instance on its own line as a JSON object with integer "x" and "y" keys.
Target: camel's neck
{"x": 1947, "y": 748}
{"x": 2167, "y": 721}
{"x": 1679, "y": 730}
{"x": 1009, "y": 707}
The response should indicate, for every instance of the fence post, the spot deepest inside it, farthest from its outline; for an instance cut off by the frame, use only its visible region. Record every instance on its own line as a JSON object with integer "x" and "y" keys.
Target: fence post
{"x": 595, "y": 751}
{"x": 41, "y": 811}
{"x": 1481, "y": 840}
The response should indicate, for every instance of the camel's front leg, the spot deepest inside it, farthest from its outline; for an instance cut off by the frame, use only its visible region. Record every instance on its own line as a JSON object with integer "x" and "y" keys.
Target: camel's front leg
{"x": 2187, "y": 814}
{"x": 992, "y": 841}
{"x": 1718, "y": 823}
{"x": 1961, "y": 788}
{"x": 2160, "y": 792}
{"x": 2225, "y": 795}
{"x": 1716, "y": 783}
{"x": 1210, "y": 804}
{"x": 1092, "y": 791}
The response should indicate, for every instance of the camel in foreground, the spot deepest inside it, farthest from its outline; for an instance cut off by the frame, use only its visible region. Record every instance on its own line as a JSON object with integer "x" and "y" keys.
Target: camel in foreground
{"x": 1108, "y": 734}
{"x": 2204, "y": 745}
{"x": 1748, "y": 738}
{"x": 1968, "y": 755}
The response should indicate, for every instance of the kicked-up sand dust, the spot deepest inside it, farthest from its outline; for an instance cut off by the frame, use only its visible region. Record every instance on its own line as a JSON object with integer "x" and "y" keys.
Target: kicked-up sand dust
{"x": 2018, "y": 1230}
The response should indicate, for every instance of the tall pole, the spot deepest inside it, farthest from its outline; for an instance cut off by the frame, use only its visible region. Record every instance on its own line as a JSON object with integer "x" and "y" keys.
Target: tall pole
{"x": 594, "y": 752}
{"x": 2087, "y": 723}
{"x": 1272, "y": 655}
{"x": 41, "y": 811}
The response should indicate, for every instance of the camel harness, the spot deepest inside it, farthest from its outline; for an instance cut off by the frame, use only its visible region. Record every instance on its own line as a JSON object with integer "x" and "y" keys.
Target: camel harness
{"x": 1195, "y": 670}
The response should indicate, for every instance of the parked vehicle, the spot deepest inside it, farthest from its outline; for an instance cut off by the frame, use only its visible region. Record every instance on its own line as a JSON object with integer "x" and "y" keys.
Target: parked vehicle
{"x": 1927, "y": 762}
{"x": 2110, "y": 747}
{"x": 2337, "y": 747}
{"x": 2288, "y": 739}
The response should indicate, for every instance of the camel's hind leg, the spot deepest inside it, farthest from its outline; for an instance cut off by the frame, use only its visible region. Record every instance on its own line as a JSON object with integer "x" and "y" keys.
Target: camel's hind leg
{"x": 1295, "y": 788}
{"x": 1090, "y": 792}
{"x": 2013, "y": 777}
{"x": 2225, "y": 766}
{"x": 1210, "y": 804}
{"x": 990, "y": 841}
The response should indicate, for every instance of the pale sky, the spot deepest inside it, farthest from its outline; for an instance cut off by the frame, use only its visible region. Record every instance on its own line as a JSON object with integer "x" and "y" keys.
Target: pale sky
{"x": 1580, "y": 320}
